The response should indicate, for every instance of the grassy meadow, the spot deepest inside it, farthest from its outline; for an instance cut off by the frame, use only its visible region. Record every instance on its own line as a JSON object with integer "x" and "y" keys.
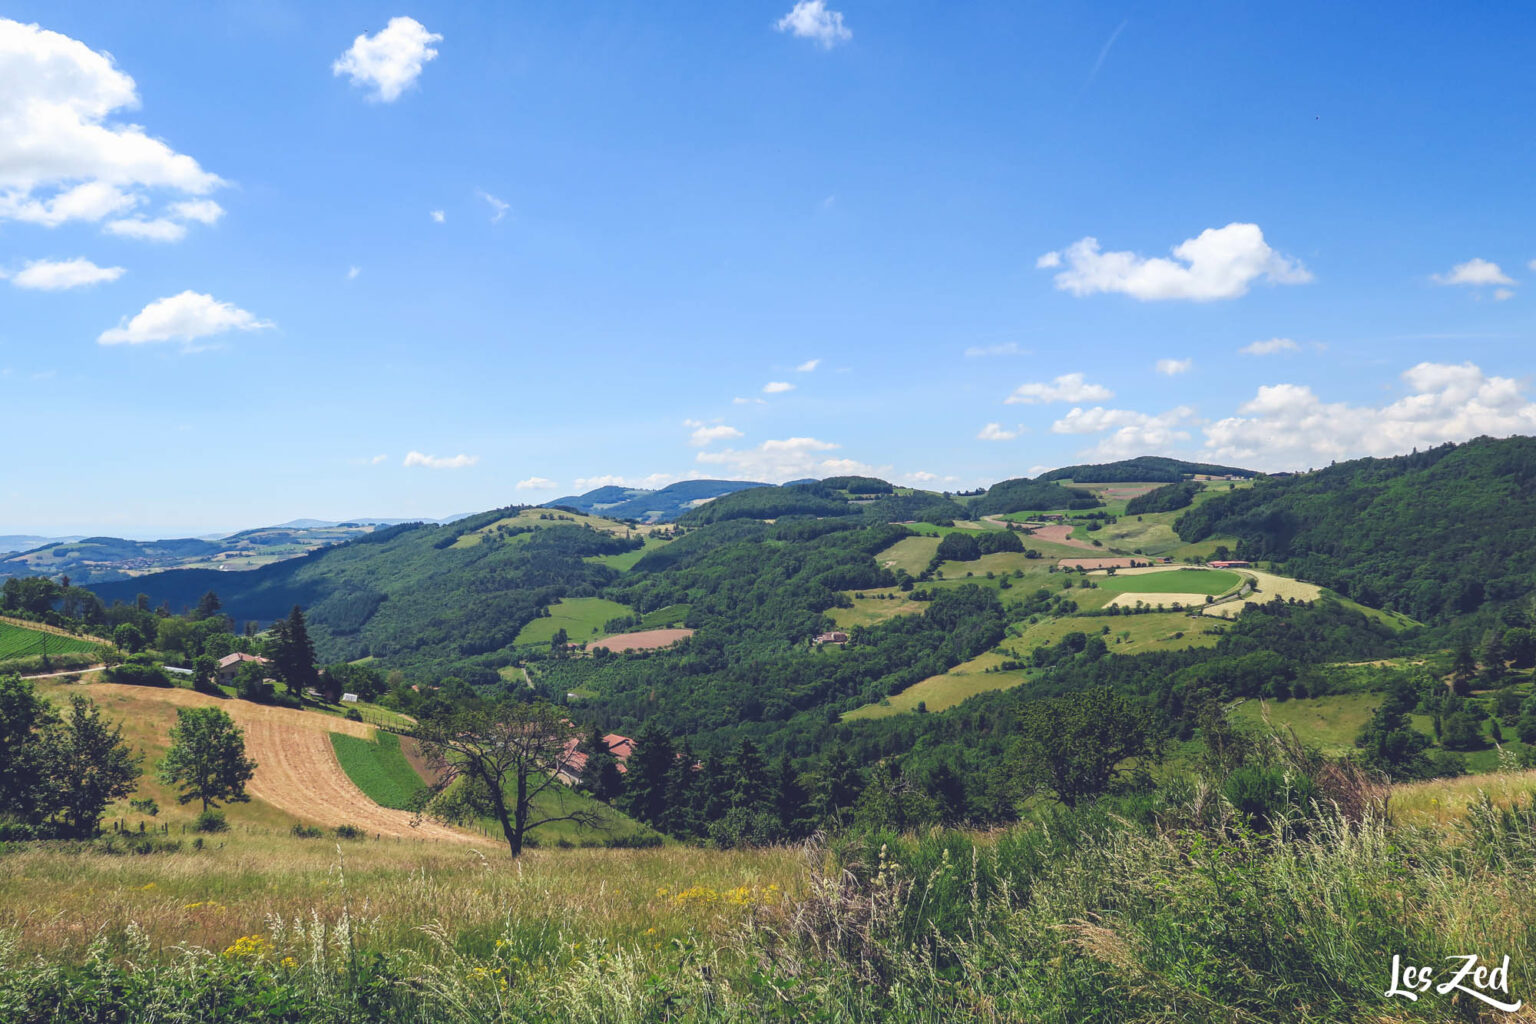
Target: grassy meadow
{"x": 582, "y": 618}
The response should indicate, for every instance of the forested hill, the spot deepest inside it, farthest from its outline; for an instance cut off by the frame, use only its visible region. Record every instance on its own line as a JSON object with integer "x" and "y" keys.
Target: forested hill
{"x": 416, "y": 595}
{"x": 1142, "y": 469}
{"x": 1436, "y": 534}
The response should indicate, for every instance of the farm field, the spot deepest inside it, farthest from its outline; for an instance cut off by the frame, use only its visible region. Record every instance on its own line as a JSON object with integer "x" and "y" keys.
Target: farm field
{"x": 543, "y": 518}
{"x": 643, "y": 640}
{"x": 876, "y": 606}
{"x": 582, "y": 618}
{"x": 910, "y": 553}
{"x": 665, "y": 618}
{"x": 1170, "y": 581}
{"x": 1128, "y": 634}
{"x": 379, "y": 768}
{"x": 21, "y": 642}
{"x": 626, "y": 561}
{"x": 940, "y": 692}
{"x": 1331, "y": 723}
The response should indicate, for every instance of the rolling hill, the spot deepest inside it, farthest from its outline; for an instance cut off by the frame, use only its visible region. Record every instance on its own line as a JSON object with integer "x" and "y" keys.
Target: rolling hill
{"x": 658, "y": 506}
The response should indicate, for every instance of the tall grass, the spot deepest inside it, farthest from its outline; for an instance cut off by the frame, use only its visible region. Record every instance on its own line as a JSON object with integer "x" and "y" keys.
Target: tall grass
{"x": 1162, "y": 909}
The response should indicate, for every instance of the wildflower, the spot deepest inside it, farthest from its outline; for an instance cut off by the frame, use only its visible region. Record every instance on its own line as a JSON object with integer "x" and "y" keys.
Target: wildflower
{"x": 288, "y": 962}
{"x": 247, "y": 947}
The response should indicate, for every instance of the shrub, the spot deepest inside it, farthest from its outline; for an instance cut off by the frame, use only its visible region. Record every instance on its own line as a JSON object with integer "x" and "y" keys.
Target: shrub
{"x": 349, "y": 832}
{"x": 211, "y": 821}
{"x": 307, "y": 832}
{"x": 135, "y": 673}
{"x": 354, "y": 715}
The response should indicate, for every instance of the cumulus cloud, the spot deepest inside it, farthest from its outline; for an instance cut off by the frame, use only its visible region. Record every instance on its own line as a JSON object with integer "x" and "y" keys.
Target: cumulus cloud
{"x": 161, "y": 229}
{"x": 738, "y": 400}
{"x": 808, "y": 366}
{"x": 1274, "y": 346}
{"x": 1130, "y": 433}
{"x": 498, "y": 207}
{"x": 1174, "y": 367}
{"x": 536, "y": 483}
{"x": 995, "y": 432}
{"x": 390, "y": 61}
{"x": 1219, "y": 263}
{"x": 62, "y": 156}
{"x": 1475, "y": 272}
{"x": 57, "y": 275}
{"x": 438, "y": 216}
{"x": 1288, "y": 426}
{"x": 1007, "y": 348}
{"x": 436, "y": 462}
{"x": 1069, "y": 387}
{"x": 645, "y": 483}
{"x": 810, "y": 19}
{"x": 379, "y": 460}
{"x": 184, "y": 318}
{"x": 1500, "y": 294}
{"x": 777, "y": 387}
{"x": 788, "y": 459}
{"x": 352, "y": 273}
{"x": 704, "y": 434}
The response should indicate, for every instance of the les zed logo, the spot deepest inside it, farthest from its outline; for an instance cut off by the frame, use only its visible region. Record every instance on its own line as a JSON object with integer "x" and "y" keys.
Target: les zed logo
{"x": 1473, "y": 979}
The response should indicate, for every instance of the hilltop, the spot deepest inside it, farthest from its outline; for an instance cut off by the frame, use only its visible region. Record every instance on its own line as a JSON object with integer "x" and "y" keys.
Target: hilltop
{"x": 656, "y": 506}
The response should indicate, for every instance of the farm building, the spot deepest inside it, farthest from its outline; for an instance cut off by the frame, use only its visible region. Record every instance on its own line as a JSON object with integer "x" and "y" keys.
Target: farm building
{"x": 230, "y": 664}
{"x": 835, "y": 637}
{"x": 573, "y": 761}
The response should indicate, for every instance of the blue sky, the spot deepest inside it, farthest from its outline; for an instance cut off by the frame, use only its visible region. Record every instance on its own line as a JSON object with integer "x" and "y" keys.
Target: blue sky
{"x": 253, "y": 262}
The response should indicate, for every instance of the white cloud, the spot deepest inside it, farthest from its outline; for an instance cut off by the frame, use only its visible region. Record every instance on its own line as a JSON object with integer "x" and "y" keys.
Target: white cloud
{"x": 808, "y": 366}
{"x": 1287, "y": 426}
{"x": 536, "y": 483}
{"x": 995, "y": 432}
{"x": 1007, "y": 348}
{"x": 61, "y": 158}
{"x": 1131, "y": 433}
{"x": 185, "y": 318}
{"x": 738, "y": 400}
{"x": 1174, "y": 367}
{"x": 789, "y": 459}
{"x": 645, "y": 483}
{"x": 1273, "y": 346}
{"x": 56, "y": 275}
{"x": 444, "y": 462}
{"x": 379, "y": 460}
{"x": 1220, "y": 263}
{"x": 500, "y": 208}
{"x": 703, "y": 435}
{"x": 438, "y": 216}
{"x": 161, "y": 229}
{"x": 777, "y": 387}
{"x": 922, "y": 476}
{"x": 810, "y": 19}
{"x": 1049, "y": 261}
{"x": 389, "y": 61}
{"x": 1476, "y": 271}
{"x": 1069, "y": 387}
{"x": 352, "y": 273}
{"x": 1500, "y": 294}
{"x": 204, "y": 211}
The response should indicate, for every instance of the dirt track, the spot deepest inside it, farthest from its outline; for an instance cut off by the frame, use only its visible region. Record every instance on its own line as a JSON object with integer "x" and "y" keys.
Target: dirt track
{"x": 296, "y": 766}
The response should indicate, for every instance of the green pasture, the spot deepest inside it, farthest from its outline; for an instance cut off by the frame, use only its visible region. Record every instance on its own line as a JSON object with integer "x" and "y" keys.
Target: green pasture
{"x": 378, "y": 768}
{"x": 582, "y": 618}
{"x": 1174, "y": 581}
{"x": 940, "y": 692}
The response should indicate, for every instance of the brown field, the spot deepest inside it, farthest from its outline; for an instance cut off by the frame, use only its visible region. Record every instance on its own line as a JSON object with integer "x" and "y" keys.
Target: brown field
{"x": 1061, "y": 533}
{"x": 645, "y": 640}
{"x": 296, "y": 769}
{"x": 1102, "y": 563}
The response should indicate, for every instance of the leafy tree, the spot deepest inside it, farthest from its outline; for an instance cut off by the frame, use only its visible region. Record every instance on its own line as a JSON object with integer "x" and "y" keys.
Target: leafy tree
{"x": 1075, "y": 746}
{"x": 1462, "y": 732}
{"x": 251, "y": 682}
{"x": 129, "y": 638}
{"x": 205, "y": 670}
{"x": 1389, "y": 743}
{"x": 88, "y": 765}
{"x": 24, "y": 716}
{"x": 494, "y": 748}
{"x": 207, "y": 759}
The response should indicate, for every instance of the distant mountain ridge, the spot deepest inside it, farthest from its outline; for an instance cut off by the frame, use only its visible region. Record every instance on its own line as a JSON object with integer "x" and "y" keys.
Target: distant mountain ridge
{"x": 659, "y": 506}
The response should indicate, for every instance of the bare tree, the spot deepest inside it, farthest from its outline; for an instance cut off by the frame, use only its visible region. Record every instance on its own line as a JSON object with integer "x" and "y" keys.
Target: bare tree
{"x": 503, "y": 757}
